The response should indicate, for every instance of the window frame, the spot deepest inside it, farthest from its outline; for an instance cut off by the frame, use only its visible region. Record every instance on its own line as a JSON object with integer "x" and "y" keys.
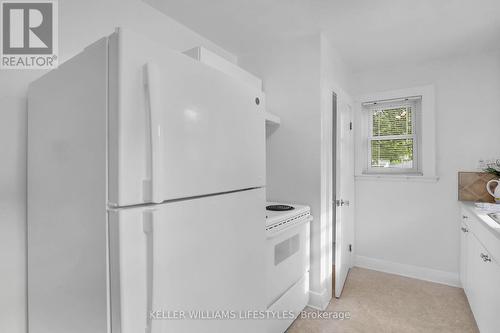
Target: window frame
{"x": 415, "y": 103}
{"x": 427, "y": 158}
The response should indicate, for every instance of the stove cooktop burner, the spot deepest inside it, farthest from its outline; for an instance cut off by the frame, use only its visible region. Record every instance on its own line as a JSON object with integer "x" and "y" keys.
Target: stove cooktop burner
{"x": 279, "y": 208}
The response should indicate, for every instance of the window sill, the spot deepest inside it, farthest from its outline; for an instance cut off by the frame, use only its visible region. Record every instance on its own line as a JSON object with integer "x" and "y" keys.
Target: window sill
{"x": 397, "y": 178}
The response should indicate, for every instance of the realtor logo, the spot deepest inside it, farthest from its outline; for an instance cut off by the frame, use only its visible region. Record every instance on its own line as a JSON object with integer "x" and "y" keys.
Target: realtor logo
{"x": 29, "y": 34}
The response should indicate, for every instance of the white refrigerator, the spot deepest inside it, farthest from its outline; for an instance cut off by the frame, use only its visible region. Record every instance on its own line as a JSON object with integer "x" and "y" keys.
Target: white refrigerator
{"x": 146, "y": 176}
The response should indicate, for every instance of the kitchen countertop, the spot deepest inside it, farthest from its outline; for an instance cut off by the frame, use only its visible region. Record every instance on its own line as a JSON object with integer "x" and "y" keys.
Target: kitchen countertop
{"x": 490, "y": 224}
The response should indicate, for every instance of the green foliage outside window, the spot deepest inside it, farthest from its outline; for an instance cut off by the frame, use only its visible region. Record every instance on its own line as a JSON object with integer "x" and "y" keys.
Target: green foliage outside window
{"x": 392, "y": 152}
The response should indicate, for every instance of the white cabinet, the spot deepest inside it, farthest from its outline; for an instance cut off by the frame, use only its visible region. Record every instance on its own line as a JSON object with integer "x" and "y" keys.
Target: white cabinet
{"x": 464, "y": 231}
{"x": 480, "y": 274}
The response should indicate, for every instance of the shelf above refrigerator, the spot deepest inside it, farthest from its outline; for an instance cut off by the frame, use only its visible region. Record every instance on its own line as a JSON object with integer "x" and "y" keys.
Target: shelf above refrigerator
{"x": 272, "y": 119}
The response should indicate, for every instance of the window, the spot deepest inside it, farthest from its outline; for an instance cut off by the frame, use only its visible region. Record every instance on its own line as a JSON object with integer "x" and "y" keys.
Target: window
{"x": 393, "y": 136}
{"x": 395, "y": 133}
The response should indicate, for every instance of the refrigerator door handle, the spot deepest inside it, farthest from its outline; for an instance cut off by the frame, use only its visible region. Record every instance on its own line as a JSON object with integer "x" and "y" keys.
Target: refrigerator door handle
{"x": 148, "y": 228}
{"x": 151, "y": 84}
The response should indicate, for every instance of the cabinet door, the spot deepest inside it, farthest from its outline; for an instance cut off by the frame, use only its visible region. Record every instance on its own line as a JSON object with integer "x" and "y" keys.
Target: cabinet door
{"x": 463, "y": 255}
{"x": 483, "y": 276}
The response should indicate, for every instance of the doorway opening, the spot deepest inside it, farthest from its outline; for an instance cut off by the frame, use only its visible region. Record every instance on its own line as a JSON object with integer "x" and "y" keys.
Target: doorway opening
{"x": 334, "y": 178}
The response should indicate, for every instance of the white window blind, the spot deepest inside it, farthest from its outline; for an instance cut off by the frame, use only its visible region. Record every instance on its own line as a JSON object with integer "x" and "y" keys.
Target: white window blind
{"x": 393, "y": 136}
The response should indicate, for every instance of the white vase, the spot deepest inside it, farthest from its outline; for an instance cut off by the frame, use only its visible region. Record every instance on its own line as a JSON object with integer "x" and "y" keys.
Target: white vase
{"x": 495, "y": 193}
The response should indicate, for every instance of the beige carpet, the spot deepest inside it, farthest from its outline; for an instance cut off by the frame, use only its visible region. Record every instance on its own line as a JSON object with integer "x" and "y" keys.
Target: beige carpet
{"x": 380, "y": 302}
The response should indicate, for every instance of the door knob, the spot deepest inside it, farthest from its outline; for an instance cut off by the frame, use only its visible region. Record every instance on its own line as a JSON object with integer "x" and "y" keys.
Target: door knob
{"x": 341, "y": 202}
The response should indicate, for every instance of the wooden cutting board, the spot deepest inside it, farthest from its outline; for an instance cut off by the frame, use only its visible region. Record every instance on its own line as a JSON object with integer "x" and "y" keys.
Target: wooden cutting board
{"x": 472, "y": 186}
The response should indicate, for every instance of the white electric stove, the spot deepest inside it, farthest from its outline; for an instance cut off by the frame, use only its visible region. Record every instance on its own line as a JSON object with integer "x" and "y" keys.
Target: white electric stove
{"x": 287, "y": 260}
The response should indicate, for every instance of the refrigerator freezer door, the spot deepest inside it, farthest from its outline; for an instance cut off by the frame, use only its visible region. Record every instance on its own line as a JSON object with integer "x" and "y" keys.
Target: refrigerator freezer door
{"x": 204, "y": 254}
{"x": 177, "y": 127}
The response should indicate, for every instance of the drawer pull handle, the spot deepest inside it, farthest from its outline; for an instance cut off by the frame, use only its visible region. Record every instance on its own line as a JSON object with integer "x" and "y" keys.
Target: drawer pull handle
{"x": 485, "y": 257}
{"x": 465, "y": 217}
{"x": 464, "y": 229}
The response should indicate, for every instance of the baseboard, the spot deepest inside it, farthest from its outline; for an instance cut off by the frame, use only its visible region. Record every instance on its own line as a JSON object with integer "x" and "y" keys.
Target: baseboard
{"x": 416, "y": 272}
{"x": 319, "y": 301}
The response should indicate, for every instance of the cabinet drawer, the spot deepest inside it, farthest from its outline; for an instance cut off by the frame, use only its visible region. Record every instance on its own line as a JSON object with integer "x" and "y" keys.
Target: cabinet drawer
{"x": 465, "y": 216}
{"x": 464, "y": 233}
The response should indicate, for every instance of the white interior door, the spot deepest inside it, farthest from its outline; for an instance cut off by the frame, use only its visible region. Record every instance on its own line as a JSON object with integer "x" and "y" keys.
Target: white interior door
{"x": 344, "y": 191}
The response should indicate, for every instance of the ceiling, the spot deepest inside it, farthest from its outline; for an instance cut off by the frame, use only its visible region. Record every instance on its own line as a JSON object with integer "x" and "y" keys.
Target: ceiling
{"x": 367, "y": 33}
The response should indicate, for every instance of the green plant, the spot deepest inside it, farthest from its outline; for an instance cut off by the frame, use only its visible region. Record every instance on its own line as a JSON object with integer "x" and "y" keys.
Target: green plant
{"x": 493, "y": 168}
{"x": 492, "y": 171}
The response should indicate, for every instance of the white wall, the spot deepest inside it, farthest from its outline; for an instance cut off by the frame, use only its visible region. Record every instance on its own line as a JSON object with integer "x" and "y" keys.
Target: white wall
{"x": 80, "y": 23}
{"x": 298, "y": 78}
{"x": 290, "y": 75}
{"x": 13, "y": 215}
{"x": 412, "y": 227}
{"x": 83, "y": 22}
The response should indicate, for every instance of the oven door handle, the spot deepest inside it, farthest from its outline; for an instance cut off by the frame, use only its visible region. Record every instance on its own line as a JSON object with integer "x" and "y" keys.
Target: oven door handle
{"x": 273, "y": 234}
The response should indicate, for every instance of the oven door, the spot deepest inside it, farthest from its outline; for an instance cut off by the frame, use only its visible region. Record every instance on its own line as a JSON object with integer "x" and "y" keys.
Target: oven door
{"x": 287, "y": 259}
